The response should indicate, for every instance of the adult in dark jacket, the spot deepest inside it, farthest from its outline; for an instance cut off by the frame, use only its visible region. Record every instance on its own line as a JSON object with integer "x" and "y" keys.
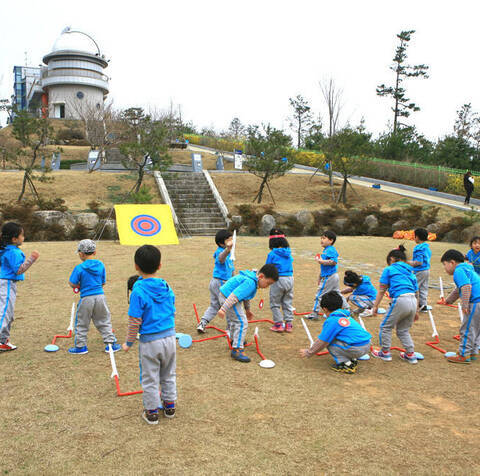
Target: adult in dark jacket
{"x": 468, "y": 182}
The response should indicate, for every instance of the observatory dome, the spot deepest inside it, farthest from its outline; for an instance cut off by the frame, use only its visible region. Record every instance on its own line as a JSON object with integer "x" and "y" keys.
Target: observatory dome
{"x": 75, "y": 41}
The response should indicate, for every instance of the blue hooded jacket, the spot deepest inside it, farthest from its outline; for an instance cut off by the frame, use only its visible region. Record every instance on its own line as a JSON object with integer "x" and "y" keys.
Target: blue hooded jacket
{"x": 339, "y": 325}
{"x": 465, "y": 274}
{"x": 366, "y": 289}
{"x": 282, "y": 259}
{"x": 423, "y": 254}
{"x": 399, "y": 278}
{"x": 90, "y": 276}
{"x": 222, "y": 271}
{"x": 11, "y": 258}
{"x": 243, "y": 286}
{"x": 153, "y": 301}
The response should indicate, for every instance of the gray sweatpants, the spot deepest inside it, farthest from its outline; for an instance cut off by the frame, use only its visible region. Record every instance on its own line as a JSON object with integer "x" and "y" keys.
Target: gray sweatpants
{"x": 400, "y": 316}
{"x": 8, "y": 296}
{"x": 422, "y": 280}
{"x": 237, "y": 322}
{"x": 342, "y": 352}
{"x": 362, "y": 302}
{"x": 158, "y": 364}
{"x": 470, "y": 331}
{"x": 93, "y": 308}
{"x": 325, "y": 285}
{"x": 281, "y": 296}
{"x": 214, "y": 288}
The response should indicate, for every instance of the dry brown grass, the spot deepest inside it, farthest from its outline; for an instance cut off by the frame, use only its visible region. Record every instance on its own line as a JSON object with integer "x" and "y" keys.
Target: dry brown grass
{"x": 209, "y": 161}
{"x": 299, "y": 192}
{"x": 60, "y": 413}
{"x": 77, "y": 188}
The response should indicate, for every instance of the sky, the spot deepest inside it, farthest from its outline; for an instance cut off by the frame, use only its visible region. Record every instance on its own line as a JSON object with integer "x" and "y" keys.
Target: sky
{"x": 221, "y": 59}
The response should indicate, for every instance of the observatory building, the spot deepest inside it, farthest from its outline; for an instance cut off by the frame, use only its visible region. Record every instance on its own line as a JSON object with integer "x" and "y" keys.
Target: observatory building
{"x": 71, "y": 77}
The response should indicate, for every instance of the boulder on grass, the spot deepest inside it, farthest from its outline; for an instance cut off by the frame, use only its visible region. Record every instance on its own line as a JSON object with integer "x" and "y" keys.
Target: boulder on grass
{"x": 266, "y": 224}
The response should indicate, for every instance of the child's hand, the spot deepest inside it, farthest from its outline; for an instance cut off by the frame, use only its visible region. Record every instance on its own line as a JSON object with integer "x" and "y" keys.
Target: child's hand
{"x": 35, "y": 254}
{"x": 374, "y": 310}
{"x": 125, "y": 347}
{"x": 417, "y": 317}
{"x": 303, "y": 353}
{"x": 221, "y": 313}
{"x": 229, "y": 243}
{"x": 318, "y": 257}
{"x": 442, "y": 301}
{"x": 249, "y": 314}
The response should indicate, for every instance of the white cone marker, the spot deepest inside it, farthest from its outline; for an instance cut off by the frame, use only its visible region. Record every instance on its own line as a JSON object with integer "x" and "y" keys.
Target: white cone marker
{"x": 460, "y": 312}
{"x": 440, "y": 281}
{"x": 432, "y": 322}
{"x": 112, "y": 361}
{"x": 234, "y": 244}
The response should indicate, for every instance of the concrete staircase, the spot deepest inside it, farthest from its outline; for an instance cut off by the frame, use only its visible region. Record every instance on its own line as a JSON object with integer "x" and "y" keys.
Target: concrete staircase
{"x": 194, "y": 202}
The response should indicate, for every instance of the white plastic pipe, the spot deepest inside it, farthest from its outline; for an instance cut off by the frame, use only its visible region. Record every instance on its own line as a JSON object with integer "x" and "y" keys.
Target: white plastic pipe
{"x": 112, "y": 361}
{"x": 307, "y": 331}
{"x": 432, "y": 322}
{"x": 232, "y": 253}
{"x": 440, "y": 281}
{"x": 256, "y": 332}
{"x": 362, "y": 323}
{"x": 72, "y": 317}
{"x": 460, "y": 312}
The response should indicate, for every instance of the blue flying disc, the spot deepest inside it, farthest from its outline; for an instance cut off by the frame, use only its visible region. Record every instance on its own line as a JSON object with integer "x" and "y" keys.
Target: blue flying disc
{"x": 185, "y": 341}
{"x": 450, "y": 354}
{"x": 419, "y": 356}
{"x": 364, "y": 357}
{"x": 381, "y": 310}
{"x": 178, "y": 335}
{"x": 51, "y": 348}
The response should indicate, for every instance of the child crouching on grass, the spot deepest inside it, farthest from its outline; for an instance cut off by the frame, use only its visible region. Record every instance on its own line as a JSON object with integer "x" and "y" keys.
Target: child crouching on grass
{"x": 152, "y": 314}
{"x": 235, "y": 296}
{"x": 12, "y": 268}
{"x": 344, "y": 338}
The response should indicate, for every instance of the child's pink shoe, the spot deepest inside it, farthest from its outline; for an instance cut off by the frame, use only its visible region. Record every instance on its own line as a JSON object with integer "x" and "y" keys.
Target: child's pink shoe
{"x": 288, "y": 327}
{"x": 277, "y": 327}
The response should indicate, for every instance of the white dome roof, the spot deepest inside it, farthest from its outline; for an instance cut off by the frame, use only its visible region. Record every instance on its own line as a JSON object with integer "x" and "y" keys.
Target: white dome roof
{"x": 76, "y": 41}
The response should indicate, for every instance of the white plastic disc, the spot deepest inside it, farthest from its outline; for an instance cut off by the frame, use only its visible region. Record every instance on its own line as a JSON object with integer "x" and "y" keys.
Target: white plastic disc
{"x": 267, "y": 364}
{"x": 449, "y": 354}
{"x": 381, "y": 310}
{"x": 364, "y": 357}
{"x": 419, "y": 356}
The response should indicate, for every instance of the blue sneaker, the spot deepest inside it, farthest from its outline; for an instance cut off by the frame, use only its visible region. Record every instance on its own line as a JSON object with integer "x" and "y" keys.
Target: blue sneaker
{"x": 379, "y": 354}
{"x": 115, "y": 347}
{"x": 78, "y": 350}
{"x": 238, "y": 354}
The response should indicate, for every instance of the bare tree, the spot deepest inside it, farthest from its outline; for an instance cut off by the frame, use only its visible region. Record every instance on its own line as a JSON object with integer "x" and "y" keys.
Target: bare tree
{"x": 100, "y": 125}
{"x": 301, "y": 118}
{"x": 332, "y": 96}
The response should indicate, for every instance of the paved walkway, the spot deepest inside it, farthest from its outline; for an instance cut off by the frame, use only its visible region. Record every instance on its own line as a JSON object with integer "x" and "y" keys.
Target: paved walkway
{"x": 440, "y": 198}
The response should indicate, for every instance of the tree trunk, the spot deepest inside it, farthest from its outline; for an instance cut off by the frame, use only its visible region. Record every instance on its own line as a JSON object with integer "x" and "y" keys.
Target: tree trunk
{"x": 24, "y": 183}
{"x": 260, "y": 191}
{"x": 139, "y": 180}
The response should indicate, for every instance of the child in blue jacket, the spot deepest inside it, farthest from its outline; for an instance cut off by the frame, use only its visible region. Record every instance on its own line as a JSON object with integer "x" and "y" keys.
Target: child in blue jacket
{"x": 12, "y": 268}
{"x": 473, "y": 254}
{"x": 281, "y": 291}
{"x": 467, "y": 284}
{"x": 363, "y": 293}
{"x": 345, "y": 338}
{"x": 223, "y": 269}
{"x": 422, "y": 255}
{"x": 235, "y": 296}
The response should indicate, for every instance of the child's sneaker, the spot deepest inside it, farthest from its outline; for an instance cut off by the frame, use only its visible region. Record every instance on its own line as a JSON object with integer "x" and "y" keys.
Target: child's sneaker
{"x": 459, "y": 359}
{"x": 169, "y": 409}
{"x": 150, "y": 416}
{"x": 386, "y": 356}
{"x": 7, "y": 346}
{"x": 288, "y": 327}
{"x": 115, "y": 347}
{"x": 473, "y": 357}
{"x": 201, "y": 327}
{"x": 354, "y": 363}
{"x": 410, "y": 358}
{"x": 277, "y": 327}
{"x": 344, "y": 368}
{"x": 366, "y": 313}
{"x": 238, "y": 354}
{"x": 78, "y": 350}
{"x": 313, "y": 316}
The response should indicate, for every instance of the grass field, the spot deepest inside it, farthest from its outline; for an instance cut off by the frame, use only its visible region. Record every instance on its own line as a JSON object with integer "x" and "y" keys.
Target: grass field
{"x": 78, "y": 188}
{"x": 60, "y": 413}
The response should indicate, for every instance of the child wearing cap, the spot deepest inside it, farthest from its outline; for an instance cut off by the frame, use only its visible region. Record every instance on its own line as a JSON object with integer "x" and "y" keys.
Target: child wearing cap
{"x": 89, "y": 276}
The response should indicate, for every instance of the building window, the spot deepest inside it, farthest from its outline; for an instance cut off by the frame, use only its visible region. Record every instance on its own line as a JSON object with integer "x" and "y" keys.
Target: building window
{"x": 80, "y": 95}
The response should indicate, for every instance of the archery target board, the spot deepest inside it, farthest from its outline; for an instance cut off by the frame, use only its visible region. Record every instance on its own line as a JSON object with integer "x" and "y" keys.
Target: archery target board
{"x": 145, "y": 225}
